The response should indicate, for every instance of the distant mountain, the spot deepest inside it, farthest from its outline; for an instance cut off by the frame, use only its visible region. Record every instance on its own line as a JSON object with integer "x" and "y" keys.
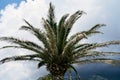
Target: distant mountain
{"x": 98, "y": 71}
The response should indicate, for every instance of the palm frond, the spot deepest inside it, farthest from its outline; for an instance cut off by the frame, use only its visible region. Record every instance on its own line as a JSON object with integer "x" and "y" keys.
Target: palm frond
{"x": 51, "y": 19}
{"x": 71, "y": 20}
{"x": 51, "y": 37}
{"x": 95, "y": 45}
{"x": 41, "y": 64}
{"x": 26, "y": 28}
{"x": 28, "y": 23}
{"x": 82, "y": 47}
{"x": 77, "y": 34}
{"x": 94, "y": 29}
{"x": 61, "y": 24}
{"x": 104, "y": 44}
{"x": 20, "y": 58}
{"x": 77, "y": 46}
{"x": 38, "y": 33}
{"x": 10, "y": 47}
{"x": 102, "y": 53}
{"x": 91, "y": 31}
{"x": 61, "y": 33}
{"x": 24, "y": 44}
{"x": 97, "y": 26}
{"x": 73, "y": 42}
{"x": 51, "y": 12}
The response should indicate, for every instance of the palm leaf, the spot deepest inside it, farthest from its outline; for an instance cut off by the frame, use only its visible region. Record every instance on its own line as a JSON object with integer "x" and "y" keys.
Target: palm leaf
{"x": 97, "y": 26}
{"x": 41, "y": 64}
{"x": 51, "y": 37}
{"x": 20, "y": 58}
{"x": 77, "y": 34}
{"x": 104, "y": 44}
{"x": 94, "y": 29}
{"x": 96, "y": 45}
{"x": 61, "y": 33}
{"x": 38, "y": 33}
{"x": 51, "y": 19}
{"x": 81, "y": 47}
{"x": 10, "y": 47}
{"x": 73, "y": 42}
{"x": 71, "y": 20}
{"x": 24, "y": 44}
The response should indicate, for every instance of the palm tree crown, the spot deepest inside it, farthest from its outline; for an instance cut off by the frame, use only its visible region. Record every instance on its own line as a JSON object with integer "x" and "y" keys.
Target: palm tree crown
{"x": 59, "y": 52}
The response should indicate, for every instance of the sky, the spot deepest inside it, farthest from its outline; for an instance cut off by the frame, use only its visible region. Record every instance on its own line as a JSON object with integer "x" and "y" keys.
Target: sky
{"x": 12, "y": 13}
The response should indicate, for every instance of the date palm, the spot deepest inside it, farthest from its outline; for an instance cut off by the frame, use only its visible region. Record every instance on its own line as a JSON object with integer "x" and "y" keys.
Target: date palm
{"x": 58, "y": 52}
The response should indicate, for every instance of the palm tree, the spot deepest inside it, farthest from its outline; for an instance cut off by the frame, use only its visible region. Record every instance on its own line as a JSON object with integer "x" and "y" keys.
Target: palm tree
{"x": 59, "y": 52}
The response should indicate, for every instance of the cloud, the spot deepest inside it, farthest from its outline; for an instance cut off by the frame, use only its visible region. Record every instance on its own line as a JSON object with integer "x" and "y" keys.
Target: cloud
{"x": 33, "y": 10}
{"x": 11, "y": 20}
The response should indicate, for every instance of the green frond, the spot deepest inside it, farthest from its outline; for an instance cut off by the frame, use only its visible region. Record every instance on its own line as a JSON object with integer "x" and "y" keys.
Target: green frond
{"x": 71, "y": 20}
{"x": 51, "y": 19}
{"x": 41, "y": 64}
{"x": 77, "y": 46}
{"x": 104, "y": 44}
{"x": 10, "y": 47}
{"x": 94, "y": 29}
{"x": 28, "y": 23}
{"x": 26, "y": 28}
{"x": 24, "y": 44}
{"x": 51, "y": 12}
{"x": 91, "y": 31}
{"x": 20, "y": 58}
{"x": 77, "y": 34}
{"x": 81, "y": 47}
{"x": 39, "y": 34}
{"x": 61, "y": 24}
{"x": 61, "y": 33}
{"x": 92, "y": 46}
{"x": 9, "y": 39}
{"x": 72, "y": 42}
{"x": 51, "y": 37}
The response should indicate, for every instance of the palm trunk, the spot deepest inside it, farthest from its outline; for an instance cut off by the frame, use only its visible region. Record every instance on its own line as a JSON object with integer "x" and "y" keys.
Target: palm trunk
{"x": 58, "y": 77}
{"x": 57, "y": 71}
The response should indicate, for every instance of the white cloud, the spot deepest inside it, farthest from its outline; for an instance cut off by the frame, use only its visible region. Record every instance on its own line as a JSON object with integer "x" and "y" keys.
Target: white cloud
{"x": 12, "y": 17}
{"x": 11, "y": 20}
{"x": 33, "y": 11}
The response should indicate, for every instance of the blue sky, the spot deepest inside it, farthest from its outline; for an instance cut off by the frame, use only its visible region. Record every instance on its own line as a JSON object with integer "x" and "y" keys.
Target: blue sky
{"x": 4, "y": 3}
{"x": 98, "y": 11}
